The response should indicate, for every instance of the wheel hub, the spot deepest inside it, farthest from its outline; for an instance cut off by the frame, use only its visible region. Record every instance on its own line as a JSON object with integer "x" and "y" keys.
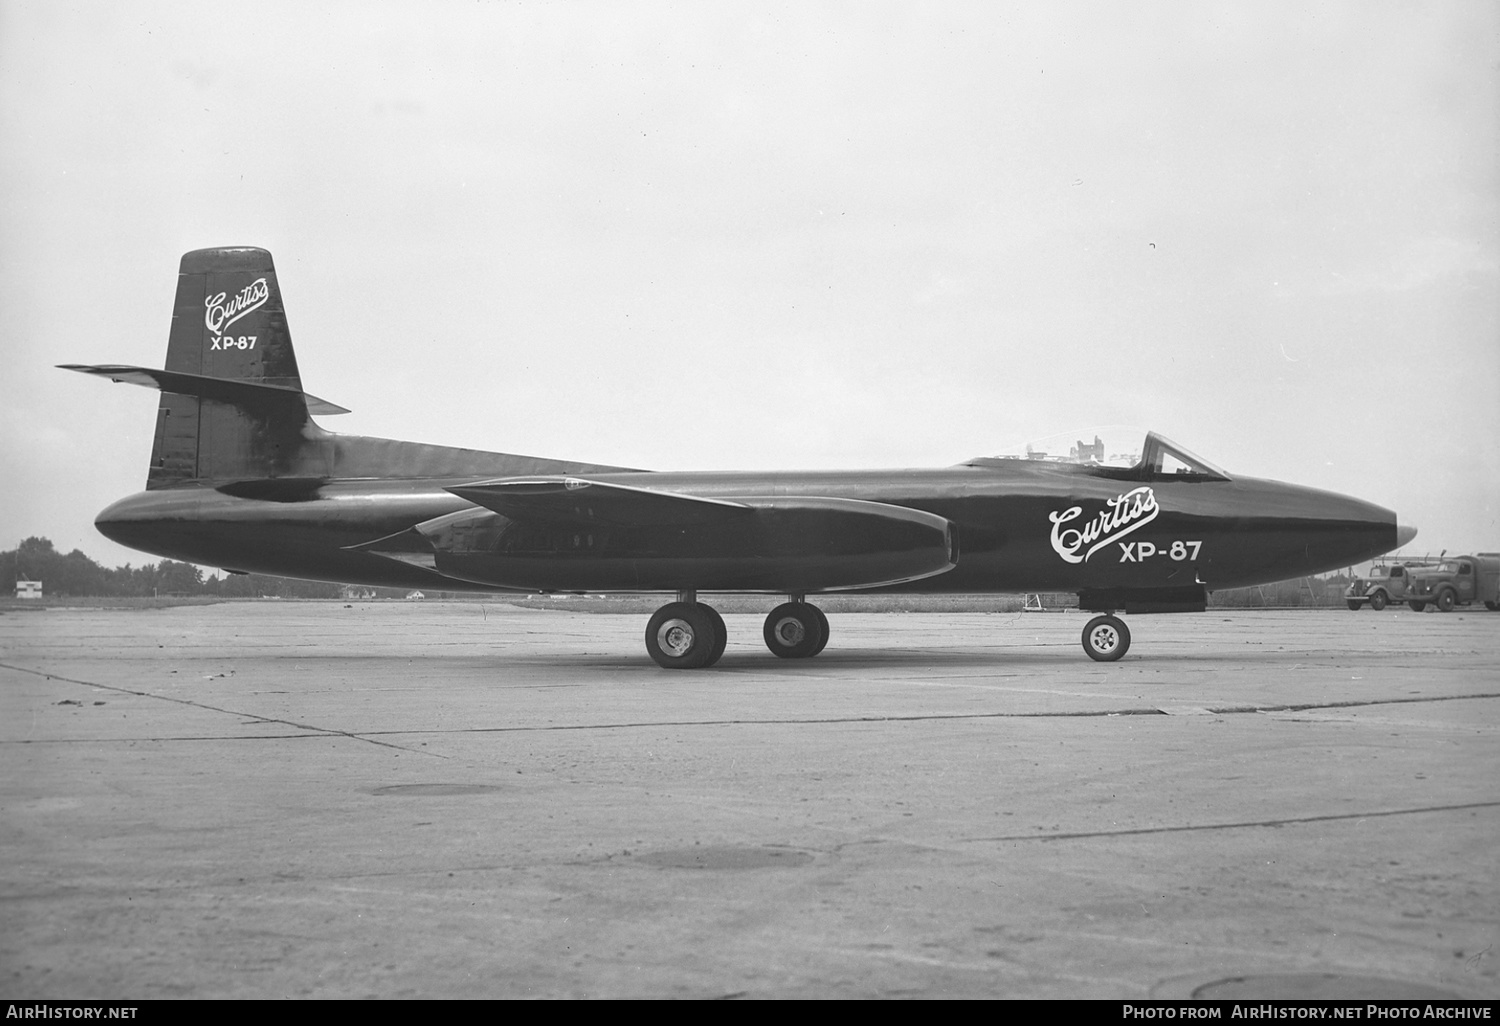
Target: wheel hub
{"x": 790, "y": 631}
{"x": 675, "y": 637}
{"x": 1105, "y": 638}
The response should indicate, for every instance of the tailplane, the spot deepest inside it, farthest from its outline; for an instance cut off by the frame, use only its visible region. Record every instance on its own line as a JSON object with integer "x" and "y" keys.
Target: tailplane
{"x": 232, "y": 405}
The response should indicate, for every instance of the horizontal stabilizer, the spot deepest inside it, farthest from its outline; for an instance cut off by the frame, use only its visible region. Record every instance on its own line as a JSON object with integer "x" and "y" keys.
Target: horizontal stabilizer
{"x": 248, "y": 394}
{"x": 577, "y": 501}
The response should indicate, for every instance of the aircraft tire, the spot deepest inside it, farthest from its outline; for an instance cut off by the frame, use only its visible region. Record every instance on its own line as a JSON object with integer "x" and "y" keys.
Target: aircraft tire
{"x": 1416, "y": 607}
{"x": 721, "y": 634}
{"x": 681, "y": 636}
{"x": 794, "y": 630}
{"x": 823, "y": 623}
{"x": 1352, "y": 604}
{"x": 1491, "y": 606}
{"x": 1378, "y": 601}
{"x": 1106, "y": 638}
{"x": 1445, "y": 600}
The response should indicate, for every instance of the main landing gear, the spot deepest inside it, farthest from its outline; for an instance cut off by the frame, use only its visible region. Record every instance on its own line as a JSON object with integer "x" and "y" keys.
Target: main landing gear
{"x": 1106, "y": 638}
{"x": 796, "y": 630}
{"x": 688, "y": 635}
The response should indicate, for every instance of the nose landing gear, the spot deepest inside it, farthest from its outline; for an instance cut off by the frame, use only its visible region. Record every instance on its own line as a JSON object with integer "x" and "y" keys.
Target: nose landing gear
{"x": 1106, "y": 638}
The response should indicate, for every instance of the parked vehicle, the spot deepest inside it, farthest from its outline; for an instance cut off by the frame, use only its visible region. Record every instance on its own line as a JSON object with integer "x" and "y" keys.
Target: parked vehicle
{"x": 1383, "y": 585}
{"x": 1457, "y": 581}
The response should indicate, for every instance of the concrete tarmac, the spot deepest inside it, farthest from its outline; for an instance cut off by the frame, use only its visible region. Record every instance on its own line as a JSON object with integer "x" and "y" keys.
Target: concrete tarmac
{"x": 473, "y": 800}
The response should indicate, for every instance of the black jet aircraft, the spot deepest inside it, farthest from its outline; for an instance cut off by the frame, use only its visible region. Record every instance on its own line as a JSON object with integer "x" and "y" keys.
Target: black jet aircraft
{"x": 243, "y": 478}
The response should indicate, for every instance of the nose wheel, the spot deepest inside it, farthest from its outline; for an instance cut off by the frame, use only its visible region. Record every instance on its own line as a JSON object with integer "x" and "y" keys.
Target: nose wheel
{"x": 796, "y": 630}
{"x": 686, "y": 636}
{"x": 1106, "y": 638}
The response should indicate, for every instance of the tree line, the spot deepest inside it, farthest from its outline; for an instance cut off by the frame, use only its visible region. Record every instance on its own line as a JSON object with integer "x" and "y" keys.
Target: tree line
{"x": 75, "y": 574}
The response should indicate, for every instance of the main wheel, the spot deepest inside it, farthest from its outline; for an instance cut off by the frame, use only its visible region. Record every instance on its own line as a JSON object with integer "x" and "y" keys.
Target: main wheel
{"x": 1378, "y": 600}
{"x": 1416, "y": 606}
{"x": 683, "y": 636}
{"x": 1352, "y": 604}
{"x": 1445, "y": 600}
{"x": 796, "y": 630}
{"x": 1106, "y": 638}
{"x": 1491, "y": 606}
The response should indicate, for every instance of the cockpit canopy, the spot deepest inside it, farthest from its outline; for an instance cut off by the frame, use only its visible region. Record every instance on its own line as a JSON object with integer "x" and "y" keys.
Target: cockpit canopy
{"x": 1115, "y": 452}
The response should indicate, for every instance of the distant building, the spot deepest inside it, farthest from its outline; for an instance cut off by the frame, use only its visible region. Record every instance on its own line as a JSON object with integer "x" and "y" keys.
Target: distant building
{"x": 28, "y": 589}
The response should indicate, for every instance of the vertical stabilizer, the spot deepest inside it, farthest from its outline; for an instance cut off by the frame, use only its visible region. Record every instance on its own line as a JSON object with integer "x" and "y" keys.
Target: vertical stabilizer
{"x": 228, "y": 323}
{"x": 233, "y": 414}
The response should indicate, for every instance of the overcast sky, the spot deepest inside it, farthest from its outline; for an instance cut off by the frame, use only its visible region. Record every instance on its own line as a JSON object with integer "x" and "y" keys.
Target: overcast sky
{"x": 756, "y": 236}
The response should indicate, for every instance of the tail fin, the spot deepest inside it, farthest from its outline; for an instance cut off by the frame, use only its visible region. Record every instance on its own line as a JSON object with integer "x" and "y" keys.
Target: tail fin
{"x": 227, "y": 322}
{"x": 232, "y": 405}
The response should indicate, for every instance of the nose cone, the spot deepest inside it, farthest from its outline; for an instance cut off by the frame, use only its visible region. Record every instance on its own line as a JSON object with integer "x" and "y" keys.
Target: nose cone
{"x": 1404, "y": 534}
{"x": 1274, "y": 531}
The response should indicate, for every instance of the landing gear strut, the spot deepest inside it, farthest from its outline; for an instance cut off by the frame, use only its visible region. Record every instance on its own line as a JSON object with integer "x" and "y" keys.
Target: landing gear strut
{"x": 1106, "y": 638}
{"x": 796, "y": 630}
{"x": 686, "y": 635}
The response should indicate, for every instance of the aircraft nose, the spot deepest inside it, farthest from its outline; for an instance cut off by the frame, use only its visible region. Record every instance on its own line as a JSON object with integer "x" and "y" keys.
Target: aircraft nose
{"x": 1404, "y": 533}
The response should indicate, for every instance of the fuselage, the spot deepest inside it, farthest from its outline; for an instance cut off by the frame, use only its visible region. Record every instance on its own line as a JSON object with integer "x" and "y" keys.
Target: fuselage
{"x": 1016, "y": 527}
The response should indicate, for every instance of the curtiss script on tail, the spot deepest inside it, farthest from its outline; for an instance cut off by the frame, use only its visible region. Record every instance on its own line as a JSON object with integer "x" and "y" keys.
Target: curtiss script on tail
{"x": 221, "y": 315}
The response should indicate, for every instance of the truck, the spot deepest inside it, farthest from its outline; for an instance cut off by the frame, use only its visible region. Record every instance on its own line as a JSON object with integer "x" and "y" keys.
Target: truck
{"x": 1456, "y": 581}
{"x": 1383, "y": 585}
